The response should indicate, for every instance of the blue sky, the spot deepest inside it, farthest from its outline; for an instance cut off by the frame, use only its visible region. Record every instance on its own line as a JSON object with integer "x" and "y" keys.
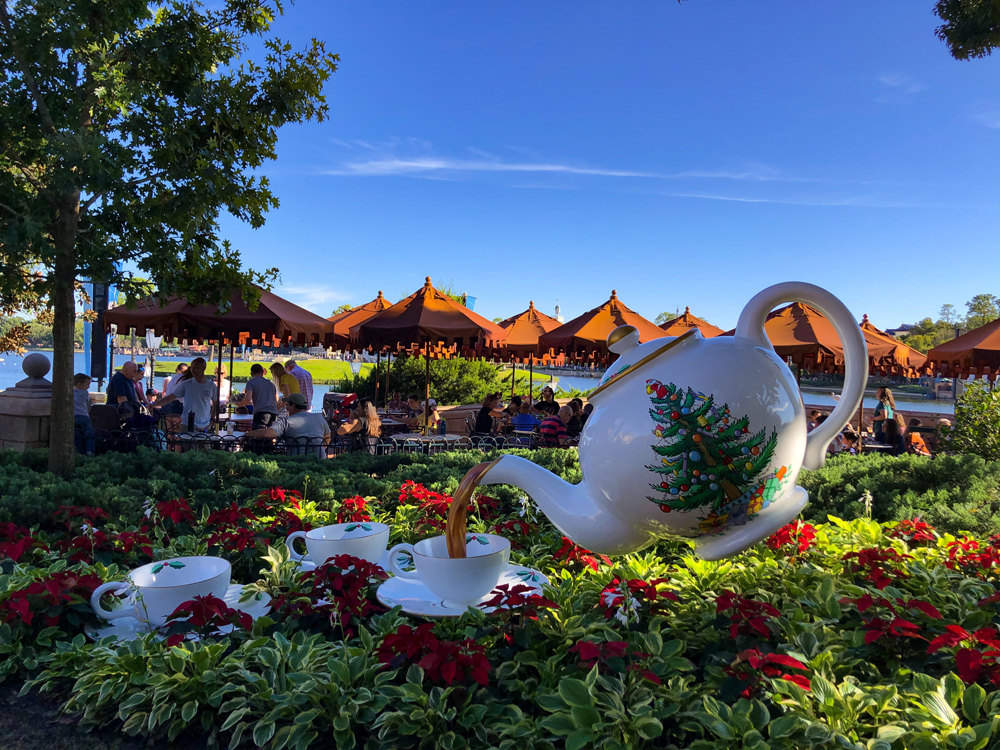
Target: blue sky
{"x": 683, "y": 154}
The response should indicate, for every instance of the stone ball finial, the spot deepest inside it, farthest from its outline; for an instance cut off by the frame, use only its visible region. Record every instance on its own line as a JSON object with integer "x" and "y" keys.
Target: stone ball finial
{"x": 36, "y": 365}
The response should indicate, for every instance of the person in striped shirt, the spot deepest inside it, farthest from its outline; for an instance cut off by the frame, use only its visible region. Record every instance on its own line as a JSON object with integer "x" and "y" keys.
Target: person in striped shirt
{"x": 305, "y": 379}
{"x": 553, "y": 429}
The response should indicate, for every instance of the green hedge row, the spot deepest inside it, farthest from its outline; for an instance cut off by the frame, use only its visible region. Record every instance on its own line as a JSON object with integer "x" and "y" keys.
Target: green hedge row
{"x": 953, "y": 493}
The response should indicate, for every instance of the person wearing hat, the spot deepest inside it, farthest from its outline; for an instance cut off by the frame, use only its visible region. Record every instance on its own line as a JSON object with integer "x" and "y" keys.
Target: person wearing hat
{"x": 304, "y": 433}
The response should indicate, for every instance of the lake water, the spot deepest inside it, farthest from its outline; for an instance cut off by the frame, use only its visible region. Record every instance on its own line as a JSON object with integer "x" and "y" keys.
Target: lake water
{"x": 11, "y": 373}
{"x": 810, "y": 399}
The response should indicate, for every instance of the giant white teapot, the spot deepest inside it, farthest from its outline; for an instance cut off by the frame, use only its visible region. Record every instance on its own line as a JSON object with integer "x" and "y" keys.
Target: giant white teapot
{"x": 695, "y": 438}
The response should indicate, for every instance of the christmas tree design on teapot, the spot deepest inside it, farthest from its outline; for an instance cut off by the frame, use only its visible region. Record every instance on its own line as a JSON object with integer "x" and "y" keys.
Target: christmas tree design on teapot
{"x": 694, "y": 438}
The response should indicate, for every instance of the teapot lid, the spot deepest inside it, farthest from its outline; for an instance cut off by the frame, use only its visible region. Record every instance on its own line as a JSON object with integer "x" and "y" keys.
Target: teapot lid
{"x": 630, "y": 368}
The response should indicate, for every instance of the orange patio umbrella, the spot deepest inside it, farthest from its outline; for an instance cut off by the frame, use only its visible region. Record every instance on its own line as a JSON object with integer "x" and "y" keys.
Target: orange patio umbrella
{"x": 524, "y": 329}
{"x": 684, "y": 323}
{"x": 890, "y": 356}
{"x": 970, "y": 353}
{"x": 345, "y": 321}
{"x": 523, "y": 332}
{"x": 588, "y": 333}
{"x": 427, "y": 316}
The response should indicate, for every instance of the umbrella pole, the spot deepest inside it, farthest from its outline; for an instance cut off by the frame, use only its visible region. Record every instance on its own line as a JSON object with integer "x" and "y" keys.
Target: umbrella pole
{"x": 427, "y": 386}
{"x": 232, "y": 346}
{"x": 378, "y": 358}
{"x": 388, "y": 366}
{"x": 218, "y": 382}
{"x": 531, "y": 377}
{"x": 513, "y": 372}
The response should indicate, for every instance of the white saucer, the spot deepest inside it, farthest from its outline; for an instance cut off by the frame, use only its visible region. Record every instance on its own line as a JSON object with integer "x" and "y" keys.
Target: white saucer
{"x": 305, "y": 564}
{"x": 126, "y": 629}
{"x": 416, "y": 599}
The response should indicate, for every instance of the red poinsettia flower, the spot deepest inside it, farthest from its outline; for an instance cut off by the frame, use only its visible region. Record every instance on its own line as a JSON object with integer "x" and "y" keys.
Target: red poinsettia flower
{"x": 624, "y": 600}
{"x": 881, "y": 617}
{"x": 749, "y": 617}
{"x": 878, "y": 566}
{"x": 520, "y": 598}
{"x": 177, "y": 511}
{"x": 353, "y": 510}
{"x": 442, "y": 661}
{"x": 752, "y": 666}
{"x": 278, "y": 496}
{"x": 912, "y": 531}
{"x": 204, "y": 614}
{"x": 16, "y": 540}
{"x": 48, "y": 597}
{"x": 793, "y": 538}
{"x": 973, "y": 559}
{"x": 571, "y": 553}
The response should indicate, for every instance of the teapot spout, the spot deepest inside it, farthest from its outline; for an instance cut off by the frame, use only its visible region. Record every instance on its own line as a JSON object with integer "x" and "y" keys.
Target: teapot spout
{"x": 569, "y": 507}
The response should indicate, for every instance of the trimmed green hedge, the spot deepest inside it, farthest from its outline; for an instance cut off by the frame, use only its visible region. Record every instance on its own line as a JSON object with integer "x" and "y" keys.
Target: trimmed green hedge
{"x": 953, "y": 493}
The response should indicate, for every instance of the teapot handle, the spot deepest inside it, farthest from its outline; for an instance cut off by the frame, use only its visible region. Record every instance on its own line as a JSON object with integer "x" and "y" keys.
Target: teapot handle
{"x": 751, "y": 326}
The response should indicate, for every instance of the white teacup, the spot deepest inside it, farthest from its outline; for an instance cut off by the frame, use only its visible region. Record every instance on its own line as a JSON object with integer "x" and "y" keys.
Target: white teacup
{"x": 364, "y": 539}
{"x": 157, "y": 589}
{"x": 459, "y": 581}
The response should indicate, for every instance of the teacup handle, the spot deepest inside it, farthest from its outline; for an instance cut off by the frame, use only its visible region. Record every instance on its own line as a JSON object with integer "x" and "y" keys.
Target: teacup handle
{"x": 751, "y": 326}
{"x": 394, "y": 566}
{"x": 290, "y": 543}
{"x": 95, "y": 601}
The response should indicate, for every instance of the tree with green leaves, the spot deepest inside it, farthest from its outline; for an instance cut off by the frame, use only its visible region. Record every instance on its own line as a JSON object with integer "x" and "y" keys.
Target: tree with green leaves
{"x": 127, "y": 129}
{"x": 982, "y": 309}
{"x": 341, "y": 309}
{"x": 948, "y": 315}
{"x": 708, "y": 457}
{"x": 971, "y": 28}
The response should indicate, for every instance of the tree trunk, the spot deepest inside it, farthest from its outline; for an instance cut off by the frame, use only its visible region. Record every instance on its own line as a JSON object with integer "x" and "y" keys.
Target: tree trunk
{"x": 62, "y": 456}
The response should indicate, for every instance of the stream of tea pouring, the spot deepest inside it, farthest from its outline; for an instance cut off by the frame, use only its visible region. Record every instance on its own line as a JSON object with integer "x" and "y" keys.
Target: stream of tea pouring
{"x": 455, "y": 529}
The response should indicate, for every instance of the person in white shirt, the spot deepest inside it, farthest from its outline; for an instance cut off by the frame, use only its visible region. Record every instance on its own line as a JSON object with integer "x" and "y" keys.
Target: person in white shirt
{"x": 197, "y": 392}
{"x": 305, "y": 379}
{"x": 177, "y": 407}
{"x": 225, "y": 389}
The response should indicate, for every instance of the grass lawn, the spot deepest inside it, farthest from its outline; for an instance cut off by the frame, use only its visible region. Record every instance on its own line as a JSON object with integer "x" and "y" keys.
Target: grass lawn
{"x": 324, "y": 371}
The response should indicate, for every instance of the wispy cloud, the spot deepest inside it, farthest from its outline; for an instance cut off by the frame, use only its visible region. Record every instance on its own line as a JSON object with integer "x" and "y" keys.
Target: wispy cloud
{"x": 315, "y": 297}
{"x": 988, "y": 119}
{"x": 760, "y": 183}
{"x": 899, "y": 83}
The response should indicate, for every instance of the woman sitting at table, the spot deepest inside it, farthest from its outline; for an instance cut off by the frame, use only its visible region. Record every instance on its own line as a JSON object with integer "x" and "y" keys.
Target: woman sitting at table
{"x": 489, "y": 410}
{"x": 894, "y": 437}
{"x": 396, "y": 405}
{"x": 548, "y": 403}
{"x": 575, "y": 425}
{"x": 284, "y": 382}
{"x": 364, "y": 424}
{"x": 435, "y": 418}
{"x": 915, "y": 441}
{"x": 226, "y": 386}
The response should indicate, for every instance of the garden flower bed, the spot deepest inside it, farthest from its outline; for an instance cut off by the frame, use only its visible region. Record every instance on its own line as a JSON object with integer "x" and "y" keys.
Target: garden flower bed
{"x": 841, "y": 634}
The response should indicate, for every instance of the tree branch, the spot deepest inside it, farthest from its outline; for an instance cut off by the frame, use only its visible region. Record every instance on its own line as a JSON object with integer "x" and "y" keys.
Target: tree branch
{"x": 29, "y": 79}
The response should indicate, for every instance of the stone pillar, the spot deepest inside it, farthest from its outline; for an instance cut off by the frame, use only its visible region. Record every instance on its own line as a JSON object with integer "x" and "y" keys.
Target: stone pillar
{"x": 26, "y": 409}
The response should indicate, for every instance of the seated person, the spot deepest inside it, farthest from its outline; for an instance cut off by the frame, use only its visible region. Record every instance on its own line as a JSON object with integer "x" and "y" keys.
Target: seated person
{"x": 915, "y": 441}
{"x": 553, "y": 429}
{"x": 894, "y": 437}
{"x": 414, "y": 408}
{"x": 396, "y": 404}
{"x": 435, "y": 418}
{"x": 524, "y": 420}
{"x": 850, "y": 441}
{"x": 574, "y": 427}
{"x": 364, "y": 424}
{"x": 489, "y": 410}
{"x": 305, "y": 433}
{"x": 548, "y": 404}
{"x": 587, "y": 411}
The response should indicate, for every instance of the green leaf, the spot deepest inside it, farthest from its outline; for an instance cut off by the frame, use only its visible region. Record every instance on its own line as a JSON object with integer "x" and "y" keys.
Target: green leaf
{"x": 783, "y": 726}
{"x": 953, "y": 689}
{"x": 972, "y": 701}
{"x": 823, "y": 690}
{"x": 560, "y": 723}
{"x": 939, "y": 708}
{"x": 890, "y": 732}
{"x": 648, "y": 727}
{"x": 722, "y": 729}
{"x": 579, "y": 740}
{"x": 263, "y": 732}
{"x": 234, "y": 717}
{"x": 586, "y": 717}
{"x": 189, "y": 710}
{"x": 575, "y": 692}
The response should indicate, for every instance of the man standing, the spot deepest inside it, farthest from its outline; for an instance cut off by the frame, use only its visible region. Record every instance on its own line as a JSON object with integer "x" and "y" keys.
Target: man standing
{"x": 261, "y": 394}
{"x": 169, "y": 384}
{"x": 305, "y": 379}
{"x": 197, "y": 393}
{"x": 305, "y": 434}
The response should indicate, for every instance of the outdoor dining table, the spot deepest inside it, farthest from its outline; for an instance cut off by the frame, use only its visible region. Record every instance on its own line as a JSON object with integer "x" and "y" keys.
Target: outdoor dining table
{"x": 209, "y": 441}
{"x": 236, "y": 418}
{"x": 426, "y": 441}
{"x": 392, "y": 427}
{"x": 877, "y": 447}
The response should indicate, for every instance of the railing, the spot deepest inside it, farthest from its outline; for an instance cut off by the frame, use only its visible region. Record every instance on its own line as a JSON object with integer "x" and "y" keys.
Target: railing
{"x": 128, "y": 440}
